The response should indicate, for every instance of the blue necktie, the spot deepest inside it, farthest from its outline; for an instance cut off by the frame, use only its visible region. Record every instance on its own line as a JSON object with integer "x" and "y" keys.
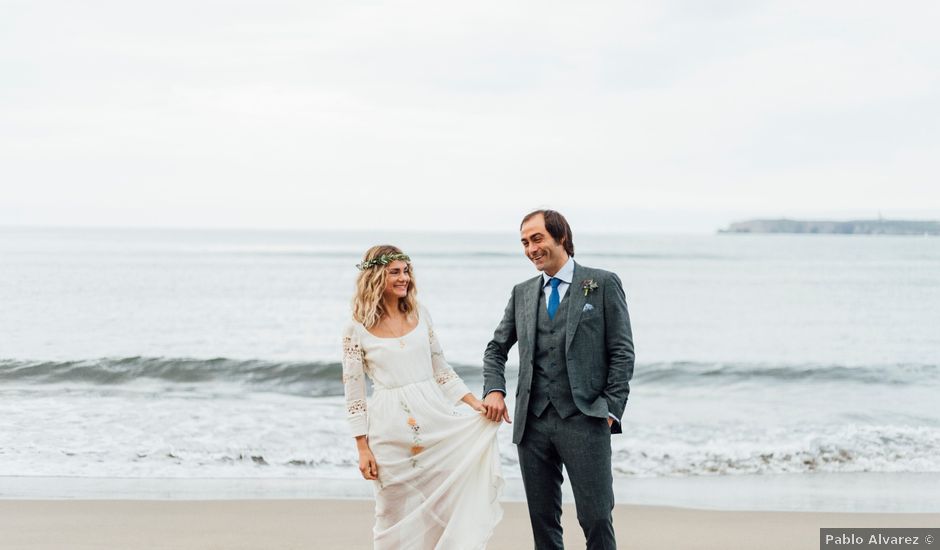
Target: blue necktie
{"x": 553, "y": 298}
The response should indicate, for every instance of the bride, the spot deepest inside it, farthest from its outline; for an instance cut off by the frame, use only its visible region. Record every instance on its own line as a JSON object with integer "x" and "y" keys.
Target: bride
{"x": 436, "y": 471}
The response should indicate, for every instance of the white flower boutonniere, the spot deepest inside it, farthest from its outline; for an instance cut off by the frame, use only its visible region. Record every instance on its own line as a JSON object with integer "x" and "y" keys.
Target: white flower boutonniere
{"x": 588, "y": 286}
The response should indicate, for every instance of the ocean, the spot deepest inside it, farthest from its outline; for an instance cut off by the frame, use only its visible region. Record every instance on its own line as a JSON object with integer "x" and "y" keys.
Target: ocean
{"x": 214, "y": 354}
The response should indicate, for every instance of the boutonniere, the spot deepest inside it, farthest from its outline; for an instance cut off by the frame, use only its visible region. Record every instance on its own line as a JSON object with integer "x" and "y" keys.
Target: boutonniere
{"x": 588, "y": 286}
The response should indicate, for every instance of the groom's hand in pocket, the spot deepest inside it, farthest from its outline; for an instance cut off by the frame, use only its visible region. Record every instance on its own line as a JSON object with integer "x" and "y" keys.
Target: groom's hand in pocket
{"x": 496, "y": 407}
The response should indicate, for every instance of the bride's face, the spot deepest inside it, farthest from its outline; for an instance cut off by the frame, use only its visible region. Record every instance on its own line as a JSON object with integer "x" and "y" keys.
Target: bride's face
{"x": 397, "y": 280}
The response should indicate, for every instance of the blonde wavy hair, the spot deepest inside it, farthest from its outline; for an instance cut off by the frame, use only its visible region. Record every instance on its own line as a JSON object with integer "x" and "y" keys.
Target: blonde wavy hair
{"x": 367, "y": 304}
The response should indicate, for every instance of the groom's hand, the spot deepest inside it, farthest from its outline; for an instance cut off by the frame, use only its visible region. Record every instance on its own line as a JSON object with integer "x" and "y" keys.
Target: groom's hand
{"x": 496, "y": 407}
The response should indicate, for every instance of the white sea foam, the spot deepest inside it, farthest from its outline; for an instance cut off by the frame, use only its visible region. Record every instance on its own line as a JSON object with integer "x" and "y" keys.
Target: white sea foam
{"x": 150, "y": 430}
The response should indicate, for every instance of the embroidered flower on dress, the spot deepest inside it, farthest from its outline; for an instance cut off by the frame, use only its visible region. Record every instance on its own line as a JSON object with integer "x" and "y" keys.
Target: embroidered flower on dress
{"x": 351, "y": 350}
{"x": 444, "y": 377}
{"x": 356, "y": 407}
{"x": 352, "y": 364}
{"x": 416, "y": 446}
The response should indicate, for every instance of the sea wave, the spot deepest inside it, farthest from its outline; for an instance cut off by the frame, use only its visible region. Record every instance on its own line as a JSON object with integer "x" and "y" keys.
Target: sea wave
{"x": 723, "y": 373}
{"x": 831, "y": 447}
{"x": 292, "y": 377}
{"x": 323, "y": 378}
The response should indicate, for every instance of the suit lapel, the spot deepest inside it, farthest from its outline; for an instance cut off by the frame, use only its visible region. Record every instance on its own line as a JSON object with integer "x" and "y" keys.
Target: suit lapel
{"x": 532, "y": 309}
{"x": 576, "y": 299}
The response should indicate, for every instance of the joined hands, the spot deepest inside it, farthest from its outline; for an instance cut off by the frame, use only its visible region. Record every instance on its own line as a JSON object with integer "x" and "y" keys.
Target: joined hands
{"x": 494, "y": 405}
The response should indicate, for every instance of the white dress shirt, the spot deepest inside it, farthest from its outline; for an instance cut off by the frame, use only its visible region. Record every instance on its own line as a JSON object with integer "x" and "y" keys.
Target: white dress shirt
{"x": 565, "y": 275}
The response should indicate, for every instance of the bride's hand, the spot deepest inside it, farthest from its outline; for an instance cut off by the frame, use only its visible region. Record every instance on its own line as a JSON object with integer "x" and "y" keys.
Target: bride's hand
{"x": 367, "y": 466}
{"x": 474, "y": 403}
{"x": 480, "y": 407}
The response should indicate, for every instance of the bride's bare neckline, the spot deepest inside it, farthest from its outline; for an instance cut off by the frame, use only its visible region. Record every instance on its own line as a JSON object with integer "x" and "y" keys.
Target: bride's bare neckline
{"x": 393, "y": 337}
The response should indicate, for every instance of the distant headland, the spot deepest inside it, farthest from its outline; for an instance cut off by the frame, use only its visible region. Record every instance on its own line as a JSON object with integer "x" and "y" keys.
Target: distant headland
{"x": 851, "y": 227}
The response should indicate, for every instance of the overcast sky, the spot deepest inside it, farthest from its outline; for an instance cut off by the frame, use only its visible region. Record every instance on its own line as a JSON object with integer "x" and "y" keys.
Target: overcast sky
{"x": 628, "y": 116}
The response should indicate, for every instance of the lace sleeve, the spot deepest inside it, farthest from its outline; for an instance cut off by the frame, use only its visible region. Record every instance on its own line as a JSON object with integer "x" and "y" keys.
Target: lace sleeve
{"x": 354, "y": 383}
{"x": 453, "y": 386}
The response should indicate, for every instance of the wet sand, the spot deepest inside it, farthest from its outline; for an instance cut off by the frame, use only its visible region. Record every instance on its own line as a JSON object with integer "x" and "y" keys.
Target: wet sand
{"x": 346, "y": 524}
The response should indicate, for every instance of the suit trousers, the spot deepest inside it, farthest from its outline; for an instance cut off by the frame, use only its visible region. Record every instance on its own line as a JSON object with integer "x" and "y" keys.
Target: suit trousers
{"x": 582, "y": 444}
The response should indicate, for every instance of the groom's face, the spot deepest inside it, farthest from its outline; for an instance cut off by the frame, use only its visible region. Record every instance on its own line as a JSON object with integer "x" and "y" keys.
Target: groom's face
{"x": 545, "y": 252}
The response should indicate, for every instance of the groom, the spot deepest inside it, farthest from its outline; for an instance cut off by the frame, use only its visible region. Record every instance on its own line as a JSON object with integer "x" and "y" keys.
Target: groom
{"x": 575, "y": 364}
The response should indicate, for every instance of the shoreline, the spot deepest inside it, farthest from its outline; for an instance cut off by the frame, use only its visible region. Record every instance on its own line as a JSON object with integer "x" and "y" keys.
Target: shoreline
{"x": 346, "y": 524}
{"x": 884, "y": 493}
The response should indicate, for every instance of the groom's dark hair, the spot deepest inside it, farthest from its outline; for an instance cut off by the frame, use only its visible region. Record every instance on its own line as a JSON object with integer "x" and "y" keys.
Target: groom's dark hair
{"x": 556, "y": 225}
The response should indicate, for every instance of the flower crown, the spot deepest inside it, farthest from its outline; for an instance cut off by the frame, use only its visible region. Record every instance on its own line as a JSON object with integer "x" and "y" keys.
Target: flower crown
{"x": 384, "y": 259}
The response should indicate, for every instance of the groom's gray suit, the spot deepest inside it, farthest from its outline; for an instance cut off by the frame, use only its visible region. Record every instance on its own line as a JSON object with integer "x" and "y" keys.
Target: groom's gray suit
{"x": 574, "y": 373}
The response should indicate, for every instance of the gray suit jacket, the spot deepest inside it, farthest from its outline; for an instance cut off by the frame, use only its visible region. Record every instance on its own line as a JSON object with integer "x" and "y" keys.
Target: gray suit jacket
{"x": 599, "y": 346}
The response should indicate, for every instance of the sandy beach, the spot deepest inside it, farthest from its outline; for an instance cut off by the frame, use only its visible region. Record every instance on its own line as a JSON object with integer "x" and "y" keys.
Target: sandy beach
{"x": 346, "y": 524}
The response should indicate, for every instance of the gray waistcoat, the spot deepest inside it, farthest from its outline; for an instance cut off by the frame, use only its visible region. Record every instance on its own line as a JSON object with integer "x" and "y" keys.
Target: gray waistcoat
{"x": 550, "y": 382}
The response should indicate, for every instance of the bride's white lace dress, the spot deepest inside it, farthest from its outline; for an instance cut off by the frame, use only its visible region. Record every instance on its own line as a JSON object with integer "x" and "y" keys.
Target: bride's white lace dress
{"x": 439, "y": 472}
